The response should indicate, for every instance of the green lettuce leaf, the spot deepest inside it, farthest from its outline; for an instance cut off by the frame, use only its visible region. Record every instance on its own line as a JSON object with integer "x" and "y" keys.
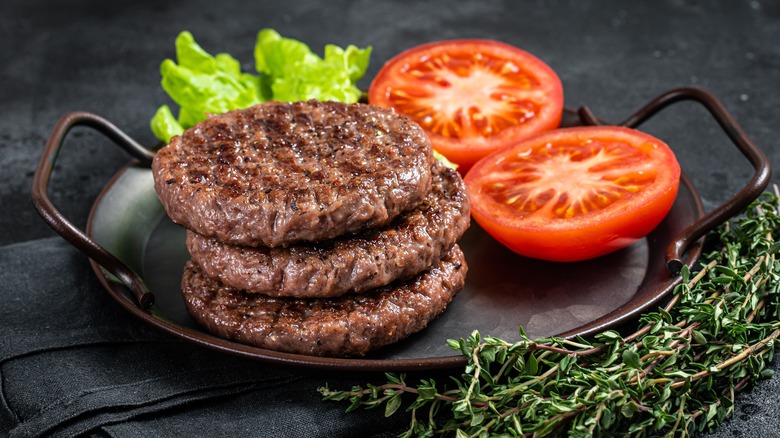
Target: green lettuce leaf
{"x": 444, "y": 160}
{"x": 205, "y": 84}
{"x": 202, "y": 84}
{"x": 165, "y": 125}
{"x": 293, "y": 72}
{"x": 353, "y": 60}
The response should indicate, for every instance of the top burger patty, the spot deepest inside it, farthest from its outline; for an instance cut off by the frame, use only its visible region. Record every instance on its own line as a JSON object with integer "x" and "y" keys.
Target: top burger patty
{"x": 279, "y": 173}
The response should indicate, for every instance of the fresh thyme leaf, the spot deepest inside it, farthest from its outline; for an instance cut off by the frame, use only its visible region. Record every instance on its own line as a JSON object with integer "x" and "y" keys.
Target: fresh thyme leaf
{"x": 393, "y": 404}
{"x": 678, "y": 374}
{"x": 631, "y": 358}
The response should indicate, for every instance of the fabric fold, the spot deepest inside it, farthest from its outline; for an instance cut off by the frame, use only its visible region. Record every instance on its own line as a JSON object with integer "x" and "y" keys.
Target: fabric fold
{"x": 74, "y": 363}
{"x": 84, "y": 394}
{"x": 52, "y": 299}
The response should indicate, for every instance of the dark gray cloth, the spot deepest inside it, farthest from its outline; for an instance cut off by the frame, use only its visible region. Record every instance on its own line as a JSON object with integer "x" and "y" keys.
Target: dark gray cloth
{"x": 73, "y": 362}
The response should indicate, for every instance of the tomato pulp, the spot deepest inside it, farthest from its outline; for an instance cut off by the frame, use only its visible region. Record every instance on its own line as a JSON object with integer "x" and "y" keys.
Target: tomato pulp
{"x": 471, "y": 97}
{"x": 576, "y": 193}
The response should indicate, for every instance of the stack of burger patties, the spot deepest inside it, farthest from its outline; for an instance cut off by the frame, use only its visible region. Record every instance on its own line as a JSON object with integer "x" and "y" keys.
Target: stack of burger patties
{"x": 317, "y": 228}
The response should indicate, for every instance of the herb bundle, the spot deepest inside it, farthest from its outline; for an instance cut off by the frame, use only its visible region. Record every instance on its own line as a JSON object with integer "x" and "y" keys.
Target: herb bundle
{"x": 676, "y": 375}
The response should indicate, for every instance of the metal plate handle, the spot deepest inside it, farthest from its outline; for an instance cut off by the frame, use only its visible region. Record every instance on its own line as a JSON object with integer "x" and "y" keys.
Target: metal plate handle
{"x": 735, "y": 204}
{"x": 52, "y": 216}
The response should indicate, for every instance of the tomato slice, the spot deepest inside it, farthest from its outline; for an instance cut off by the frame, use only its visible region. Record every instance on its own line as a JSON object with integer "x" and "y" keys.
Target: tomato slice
{"x": 471, "y": 97}
{"x": 576, "y": 193}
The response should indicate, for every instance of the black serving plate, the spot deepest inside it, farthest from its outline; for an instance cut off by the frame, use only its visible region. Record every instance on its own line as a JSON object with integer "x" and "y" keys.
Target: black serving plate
{"x": 138, "y": 255}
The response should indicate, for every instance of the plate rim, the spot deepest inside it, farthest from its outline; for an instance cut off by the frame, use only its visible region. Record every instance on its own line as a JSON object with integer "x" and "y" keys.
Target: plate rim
{"x": 154, "y": 317}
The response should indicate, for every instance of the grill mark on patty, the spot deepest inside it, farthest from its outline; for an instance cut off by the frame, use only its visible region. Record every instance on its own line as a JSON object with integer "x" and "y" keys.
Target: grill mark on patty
{"x": 357, "y": 173}
{"x": 345, "y": 326}
{"x": 349, "y": 264}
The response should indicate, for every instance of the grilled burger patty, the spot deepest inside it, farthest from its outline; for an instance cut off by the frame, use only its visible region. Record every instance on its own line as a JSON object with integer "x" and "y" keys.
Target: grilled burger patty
{"x": 344, "y": 326}
{"x": 356, "y": 263}
{"x": 279, "y": 173}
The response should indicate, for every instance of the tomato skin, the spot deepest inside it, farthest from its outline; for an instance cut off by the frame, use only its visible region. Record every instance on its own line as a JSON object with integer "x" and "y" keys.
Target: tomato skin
{"x": 542, "y": 235}
{"x": 463, "y": 95}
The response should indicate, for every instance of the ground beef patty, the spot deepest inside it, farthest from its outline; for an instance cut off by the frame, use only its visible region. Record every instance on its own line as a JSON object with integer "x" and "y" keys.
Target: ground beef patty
{"x": 355, "y": 263}
{"x": 345, "y": 326}
{"x": 279, "y": 173}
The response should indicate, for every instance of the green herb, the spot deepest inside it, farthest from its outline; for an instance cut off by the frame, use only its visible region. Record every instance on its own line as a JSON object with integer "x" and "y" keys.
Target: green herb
{"x": 444, "y": 160}
{"x": 287, "y": 70}
{"x": 676, "y": 375}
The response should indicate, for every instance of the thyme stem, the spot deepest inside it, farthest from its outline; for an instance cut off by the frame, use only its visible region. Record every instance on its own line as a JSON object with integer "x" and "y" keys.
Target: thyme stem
{"x": 679, "y": 372}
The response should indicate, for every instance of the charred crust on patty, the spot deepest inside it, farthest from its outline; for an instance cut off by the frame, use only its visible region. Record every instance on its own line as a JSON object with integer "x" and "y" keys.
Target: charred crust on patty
{"x": 337, "y": 327}
{"x": 279, "y": 173}
{"x": 348, "y": 264}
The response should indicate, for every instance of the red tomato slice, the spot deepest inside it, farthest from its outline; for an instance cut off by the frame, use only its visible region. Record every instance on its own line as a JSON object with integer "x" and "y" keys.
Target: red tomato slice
{"x": 472, "y": 97}
{"x": 574, "y": 194}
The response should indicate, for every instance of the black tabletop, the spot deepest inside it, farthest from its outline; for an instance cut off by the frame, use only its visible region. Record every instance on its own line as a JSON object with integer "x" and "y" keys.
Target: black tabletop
{"x": 72, "y": 362}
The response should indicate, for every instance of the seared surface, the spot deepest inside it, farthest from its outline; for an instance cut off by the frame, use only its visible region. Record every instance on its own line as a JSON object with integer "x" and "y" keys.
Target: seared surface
{"x": 344, "y": 326}
{"x": 356, "y": 263}
{"x": 279, "y": 173}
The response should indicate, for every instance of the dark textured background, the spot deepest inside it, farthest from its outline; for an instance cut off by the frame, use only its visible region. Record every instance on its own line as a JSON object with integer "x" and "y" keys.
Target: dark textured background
{"x": 613, "y": 55}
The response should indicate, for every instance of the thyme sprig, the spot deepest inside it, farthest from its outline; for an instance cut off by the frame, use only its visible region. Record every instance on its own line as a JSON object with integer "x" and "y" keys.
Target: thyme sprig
{"x": 677, "y": 374}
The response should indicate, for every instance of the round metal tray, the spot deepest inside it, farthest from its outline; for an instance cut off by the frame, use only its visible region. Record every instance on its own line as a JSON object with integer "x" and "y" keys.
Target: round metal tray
{"x": 139, "y": 255}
